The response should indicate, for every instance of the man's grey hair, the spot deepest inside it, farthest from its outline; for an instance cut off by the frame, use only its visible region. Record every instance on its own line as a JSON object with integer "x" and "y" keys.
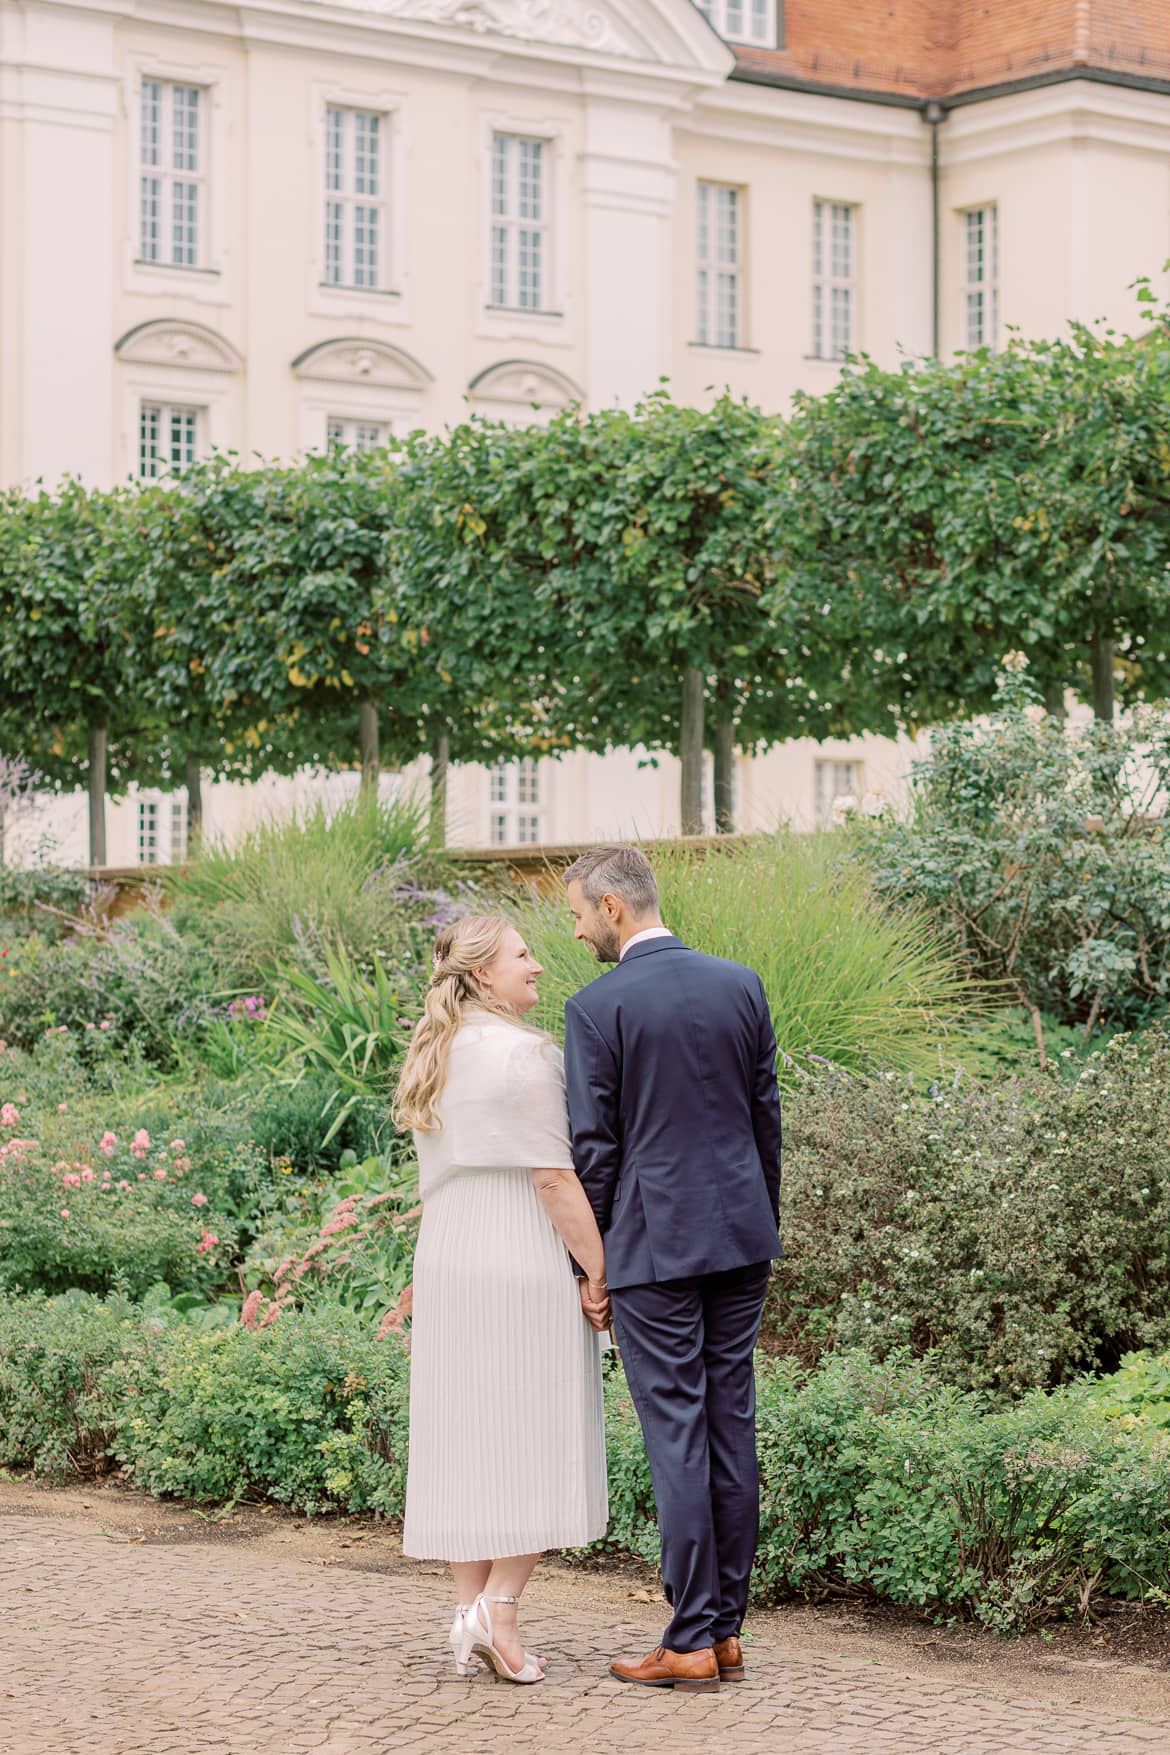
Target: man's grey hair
{"x": 617, "y": 871}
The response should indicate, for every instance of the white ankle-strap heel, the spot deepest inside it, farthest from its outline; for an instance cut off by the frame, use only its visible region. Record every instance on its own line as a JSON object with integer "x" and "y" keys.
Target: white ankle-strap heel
{"x": 455, "y": 1636}
{"x": 477, "y": 1636}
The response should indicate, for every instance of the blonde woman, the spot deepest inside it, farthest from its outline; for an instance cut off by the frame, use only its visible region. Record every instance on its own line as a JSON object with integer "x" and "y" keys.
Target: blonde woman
{"x": 507, "y": 1446}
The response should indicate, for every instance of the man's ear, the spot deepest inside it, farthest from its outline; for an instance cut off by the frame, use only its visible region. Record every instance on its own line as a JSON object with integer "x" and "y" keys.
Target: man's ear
{"x": 612, "y": 904}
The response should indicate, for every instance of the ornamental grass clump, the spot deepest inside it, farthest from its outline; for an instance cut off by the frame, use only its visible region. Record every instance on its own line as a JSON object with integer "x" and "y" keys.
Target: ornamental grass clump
{"x": 848, "y": 981}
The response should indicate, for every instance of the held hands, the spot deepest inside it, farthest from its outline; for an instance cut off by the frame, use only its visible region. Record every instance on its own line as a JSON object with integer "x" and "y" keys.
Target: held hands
{"x": 595, "y": 1303}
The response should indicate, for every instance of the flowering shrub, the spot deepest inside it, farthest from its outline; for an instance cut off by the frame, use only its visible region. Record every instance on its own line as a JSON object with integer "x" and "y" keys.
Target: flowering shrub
{"x": 89, "y": 1212}
{"x": 361, "y": 1254}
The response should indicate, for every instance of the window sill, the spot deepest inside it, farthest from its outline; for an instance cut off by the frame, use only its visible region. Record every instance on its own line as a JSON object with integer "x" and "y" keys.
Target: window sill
{"x": 175, "y": 268}
{"x": 720, "y": 347}
{"x": 522, "y": 311}
{"x": 826, "y": 359}
{"x": 344, "y": 288}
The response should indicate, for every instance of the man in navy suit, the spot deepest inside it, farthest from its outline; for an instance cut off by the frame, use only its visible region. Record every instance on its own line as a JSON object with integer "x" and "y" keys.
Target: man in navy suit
{"x": 670, "y": 1063}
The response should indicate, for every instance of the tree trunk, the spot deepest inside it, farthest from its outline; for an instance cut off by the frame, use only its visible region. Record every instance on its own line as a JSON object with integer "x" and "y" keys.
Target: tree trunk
{"x": 98, "y": 742}
{"x": 691, "y": 751}
{"x": 724, "y": 774}
{"x": 194, "y": 779}
{"x": 1101, "y": 655}
{"x": 440, "y": 766}
{"x": 368, "y": 744}
{"x": 1054, "y": 699}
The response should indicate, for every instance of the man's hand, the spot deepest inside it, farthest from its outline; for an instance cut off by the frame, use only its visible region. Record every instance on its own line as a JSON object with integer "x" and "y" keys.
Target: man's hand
{"x": 595, "y": 1303}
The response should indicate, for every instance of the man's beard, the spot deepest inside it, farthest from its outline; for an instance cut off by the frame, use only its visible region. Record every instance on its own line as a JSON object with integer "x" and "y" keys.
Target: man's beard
{"x": 606, "y": 945}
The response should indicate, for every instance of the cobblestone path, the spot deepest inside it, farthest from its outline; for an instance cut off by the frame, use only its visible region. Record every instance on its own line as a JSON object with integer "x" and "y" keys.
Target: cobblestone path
{"x": 108, "y": 1647}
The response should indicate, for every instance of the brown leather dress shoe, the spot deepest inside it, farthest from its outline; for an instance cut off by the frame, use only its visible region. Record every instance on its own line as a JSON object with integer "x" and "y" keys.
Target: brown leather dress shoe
{"x": 695, "y": 1672}
{"x": 729, "y": 1657}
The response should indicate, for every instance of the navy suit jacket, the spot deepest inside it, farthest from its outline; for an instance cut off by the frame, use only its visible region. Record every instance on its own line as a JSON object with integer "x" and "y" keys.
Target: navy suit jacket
{"x": 670, "y": 1065}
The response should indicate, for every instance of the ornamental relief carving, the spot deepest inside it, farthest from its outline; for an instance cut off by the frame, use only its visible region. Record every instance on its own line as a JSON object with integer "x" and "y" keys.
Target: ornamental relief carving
{"x": 567, "y": 23}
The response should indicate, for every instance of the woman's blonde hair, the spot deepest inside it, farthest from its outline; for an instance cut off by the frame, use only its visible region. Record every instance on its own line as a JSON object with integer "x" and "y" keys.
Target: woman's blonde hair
{"x": 471, "y": 943}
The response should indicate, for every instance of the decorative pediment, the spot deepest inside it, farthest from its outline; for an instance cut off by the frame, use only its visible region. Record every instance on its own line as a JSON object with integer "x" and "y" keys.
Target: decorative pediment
{"x": 669, "y": 34}
{"x": 168, "y": 341}
{"x": 354, "y": 360}
{"x": 571, "y": 24}
{"x": 525, "y": 383}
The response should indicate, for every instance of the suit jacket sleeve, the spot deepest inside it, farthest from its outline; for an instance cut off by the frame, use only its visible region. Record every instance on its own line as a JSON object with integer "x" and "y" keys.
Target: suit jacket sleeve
{"x": 592, "y": 1087}
{"x": 766, "y": 1104}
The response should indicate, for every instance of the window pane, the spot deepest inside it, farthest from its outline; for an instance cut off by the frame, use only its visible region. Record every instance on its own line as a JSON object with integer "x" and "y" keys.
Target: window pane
{"x": 151, "y": 121}
{"x": 529, "y": 193}
{"x": 184, "y": 224}
{"x": 365, "y": 246}
{"x": 528, "y": 278}
{"x": 334, "y": 432}
{"x": 499, "y": 265}
{"x": 366, "y": 436}
{"x": 365, "y": 154}
{"x": 334, "y": 148}
{"x": 500, "y": 174}
{"x": 527, "y": 783}
{"x": 498, "y": 783}
{"x": 185, "y": 127}
{"x": 499, "y": 829}
{"x": 149, "y": 219}
{"x": 148, "y": 430}
{"x": 334, "y": 231}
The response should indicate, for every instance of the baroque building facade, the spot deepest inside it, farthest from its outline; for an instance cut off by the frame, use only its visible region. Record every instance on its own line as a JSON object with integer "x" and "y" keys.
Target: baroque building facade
{"x": 273, "y": 226}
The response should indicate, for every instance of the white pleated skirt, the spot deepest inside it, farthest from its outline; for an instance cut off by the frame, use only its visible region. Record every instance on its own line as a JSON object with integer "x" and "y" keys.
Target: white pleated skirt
{"x": 507, "y": 1435}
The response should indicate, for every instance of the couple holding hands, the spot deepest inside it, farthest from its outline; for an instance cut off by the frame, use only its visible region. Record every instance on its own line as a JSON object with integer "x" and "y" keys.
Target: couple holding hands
{"x": 635, "y": 1183}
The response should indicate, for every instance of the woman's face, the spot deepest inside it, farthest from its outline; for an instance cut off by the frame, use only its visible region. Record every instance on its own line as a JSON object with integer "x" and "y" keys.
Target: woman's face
{"x": 511, "y": 976}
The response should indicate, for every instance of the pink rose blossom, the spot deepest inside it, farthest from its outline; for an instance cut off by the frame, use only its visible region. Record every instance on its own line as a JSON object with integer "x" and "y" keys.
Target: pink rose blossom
{"x": 91, "y": 1026}
{"x": 71, "y": 1181}
{"x": 178, "y": 1145}
{"x": 62, "y": 1108}
{"x": 9, "y": 1115}
{"x": 124, "y": 1185}
{"x": 198, "y": 1200}
{"x": 181, "y": 1165}
{"x": 142, "y": 1176}
{"x": 207, "y": 1242}
{"x": 160, "y": 1175}
{"x": 107, "y": 1143}
{"x": 64, "y": 1212}
{"x": 86, "y": 1173}
{"x": 105, "y": 1024}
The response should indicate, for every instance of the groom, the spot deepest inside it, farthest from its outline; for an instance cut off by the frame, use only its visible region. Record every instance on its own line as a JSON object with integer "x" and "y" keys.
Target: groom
{"x": 670, "y": 1062}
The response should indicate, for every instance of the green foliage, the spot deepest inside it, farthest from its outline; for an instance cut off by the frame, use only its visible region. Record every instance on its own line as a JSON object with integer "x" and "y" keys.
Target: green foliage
{"x": 59, "y": 1410}
{"x": 38, "y": 894}
{"x": 138, "y": 985}
{"x": 936, "y": 516}
{"x": 848, "y": 981}
{"x": 876, "y": 1479}
{"x": 1137, "y": 1393}
{"x": 1021, "y": 1233}
{"x": 1037, "y": 845}
{"x": 311, "y": 1412}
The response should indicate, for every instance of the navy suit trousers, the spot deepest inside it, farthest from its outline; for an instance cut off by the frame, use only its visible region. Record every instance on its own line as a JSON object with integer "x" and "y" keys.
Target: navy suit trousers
{"x": 687, "y": 1348}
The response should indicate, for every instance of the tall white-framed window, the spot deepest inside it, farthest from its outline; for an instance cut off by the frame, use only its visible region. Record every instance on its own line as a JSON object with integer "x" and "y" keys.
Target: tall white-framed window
{"x": 355, "y": 435}
{"x": 520, "y": 231}
{"x": 719, "y": 248}
{"x": 357, "y": 233}
{"x": 834, "y": 254}
{"x": 515, "y": 804}
{"x": 835, "y": 781}
{"x": 743, "y": 21}
{"x": 981, "y": 276}
{"x": 172, "y": 180}
{"x": 168, "y": 438}
{"x": 148, "y": 829}
{"x": 178, "y": 814}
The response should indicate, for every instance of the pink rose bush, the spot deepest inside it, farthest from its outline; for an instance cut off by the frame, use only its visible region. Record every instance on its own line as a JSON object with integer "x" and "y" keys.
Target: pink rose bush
{"x": 125, "y": 1211}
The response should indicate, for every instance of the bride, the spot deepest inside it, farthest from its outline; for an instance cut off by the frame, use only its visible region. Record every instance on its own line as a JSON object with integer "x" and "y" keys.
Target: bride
{"x": 507, "y": 1443}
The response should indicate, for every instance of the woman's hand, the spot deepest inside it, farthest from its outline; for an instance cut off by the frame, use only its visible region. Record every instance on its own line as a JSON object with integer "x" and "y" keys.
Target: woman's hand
{"x": 595, "y": 1303}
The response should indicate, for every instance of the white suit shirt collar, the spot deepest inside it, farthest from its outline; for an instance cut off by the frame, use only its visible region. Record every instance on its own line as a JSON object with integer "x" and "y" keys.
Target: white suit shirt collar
{"x": 641, "y": 937}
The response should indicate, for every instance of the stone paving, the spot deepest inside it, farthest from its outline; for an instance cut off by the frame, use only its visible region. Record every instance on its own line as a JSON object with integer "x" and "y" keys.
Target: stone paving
{"x": 108, "y": 1647}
